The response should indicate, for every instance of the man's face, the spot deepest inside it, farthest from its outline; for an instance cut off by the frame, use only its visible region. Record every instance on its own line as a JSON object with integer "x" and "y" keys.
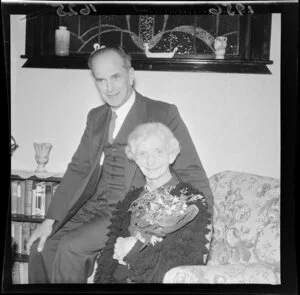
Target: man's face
{"x": 153, "y": 158}
{"x": 113, "y": 80}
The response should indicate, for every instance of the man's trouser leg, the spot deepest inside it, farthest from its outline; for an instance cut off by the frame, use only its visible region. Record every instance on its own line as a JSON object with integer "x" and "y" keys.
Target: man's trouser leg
{"x": 69, "y": 255}
{"x": 77, "y": 251}
{"x": 40, "y": 263}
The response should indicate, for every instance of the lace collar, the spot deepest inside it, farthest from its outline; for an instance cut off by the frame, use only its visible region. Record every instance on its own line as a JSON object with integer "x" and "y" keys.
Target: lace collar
{"x": 168, "y": 186}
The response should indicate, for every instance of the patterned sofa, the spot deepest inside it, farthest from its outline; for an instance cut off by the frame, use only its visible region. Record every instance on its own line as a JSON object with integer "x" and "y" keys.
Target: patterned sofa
{"x": 245, "y": 246}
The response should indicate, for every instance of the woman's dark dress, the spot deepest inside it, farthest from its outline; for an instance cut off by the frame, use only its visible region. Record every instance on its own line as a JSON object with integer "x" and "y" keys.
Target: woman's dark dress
{"x": 185, "y": 246}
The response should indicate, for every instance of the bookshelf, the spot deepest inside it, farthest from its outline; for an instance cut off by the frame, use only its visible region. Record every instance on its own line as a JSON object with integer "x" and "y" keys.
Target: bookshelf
{"x": 30, "y": 196}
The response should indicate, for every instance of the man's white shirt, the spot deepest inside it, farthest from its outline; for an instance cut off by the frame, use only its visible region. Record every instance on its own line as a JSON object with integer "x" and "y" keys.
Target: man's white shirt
{"x": 121, "y": 112}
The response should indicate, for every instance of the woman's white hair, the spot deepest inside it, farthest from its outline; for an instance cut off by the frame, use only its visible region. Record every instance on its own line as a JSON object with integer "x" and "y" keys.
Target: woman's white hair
{"x": 143, "y": 131}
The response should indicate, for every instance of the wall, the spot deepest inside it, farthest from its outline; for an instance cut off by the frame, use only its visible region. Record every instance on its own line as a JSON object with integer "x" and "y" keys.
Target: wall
{"x": 234, "y": 119}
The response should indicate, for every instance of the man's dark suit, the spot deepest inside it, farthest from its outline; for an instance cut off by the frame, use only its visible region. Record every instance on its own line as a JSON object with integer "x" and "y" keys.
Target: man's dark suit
{"x": 83, "y": 173}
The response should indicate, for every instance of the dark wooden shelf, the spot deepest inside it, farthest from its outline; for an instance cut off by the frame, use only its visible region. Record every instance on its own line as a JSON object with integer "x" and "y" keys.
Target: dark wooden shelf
{"x": 250, "y": 56}
{"x": 20, "y": 257}
{"x": 34, "y": 177}
{"x": 227, "y": 65}
{"x": 25, "y": 218}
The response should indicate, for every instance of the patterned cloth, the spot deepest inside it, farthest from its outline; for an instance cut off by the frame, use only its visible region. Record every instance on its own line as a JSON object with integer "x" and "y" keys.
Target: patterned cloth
{"x": 246, "y": 241}
{"x": 222, "y": 274}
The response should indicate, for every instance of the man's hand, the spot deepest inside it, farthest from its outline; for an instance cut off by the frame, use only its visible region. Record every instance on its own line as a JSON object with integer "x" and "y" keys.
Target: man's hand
{"x": 123, "y": 247}
{"x": 41, "y": 232}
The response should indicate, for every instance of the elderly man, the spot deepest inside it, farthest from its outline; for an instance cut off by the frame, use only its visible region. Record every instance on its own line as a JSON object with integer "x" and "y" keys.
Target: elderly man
{"x": 64, "y": 247}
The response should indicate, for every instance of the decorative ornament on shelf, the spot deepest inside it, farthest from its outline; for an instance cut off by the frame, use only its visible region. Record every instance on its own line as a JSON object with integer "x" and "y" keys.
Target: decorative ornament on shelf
{"x": 62, "y": 41}
{"x": 158, "y": 54}
{"x": 97, "y": 46}
{"x": 13, "y": 145}
{"x": 42, "y": 151}
{"x": 220, "y": 46}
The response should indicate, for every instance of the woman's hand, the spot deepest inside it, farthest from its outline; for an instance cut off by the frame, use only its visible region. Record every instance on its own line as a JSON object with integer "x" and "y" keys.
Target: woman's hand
{"x": 155, "y": 239}
{"x": 123, "y": 247}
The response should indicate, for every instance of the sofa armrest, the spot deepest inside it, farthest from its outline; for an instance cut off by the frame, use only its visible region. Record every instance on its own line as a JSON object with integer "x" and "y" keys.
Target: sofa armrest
{"x": 222, "y": 274}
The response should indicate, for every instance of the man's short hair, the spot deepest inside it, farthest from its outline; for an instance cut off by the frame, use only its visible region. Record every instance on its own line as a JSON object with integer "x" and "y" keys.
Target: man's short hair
{"x": 143, "y": 131}
{"x": 119, "y": 50}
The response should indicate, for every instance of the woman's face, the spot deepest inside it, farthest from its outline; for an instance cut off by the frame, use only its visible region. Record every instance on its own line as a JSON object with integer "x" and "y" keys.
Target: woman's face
{"x": 153, "y": 157}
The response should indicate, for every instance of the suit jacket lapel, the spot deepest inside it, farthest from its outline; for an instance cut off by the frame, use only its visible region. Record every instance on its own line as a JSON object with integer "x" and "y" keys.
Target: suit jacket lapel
{"x": 99, "y": 134}
{"x": 98, "y": 137}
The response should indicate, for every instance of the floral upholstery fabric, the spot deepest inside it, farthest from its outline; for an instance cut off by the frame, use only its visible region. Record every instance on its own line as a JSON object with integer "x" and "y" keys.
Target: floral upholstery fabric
{"x": 246, "y": 232}
{"x": 222, "y": 274}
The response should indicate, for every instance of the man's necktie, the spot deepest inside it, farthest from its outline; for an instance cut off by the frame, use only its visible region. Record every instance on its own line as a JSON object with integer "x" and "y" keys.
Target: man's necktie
{"x": 112, "y": 126}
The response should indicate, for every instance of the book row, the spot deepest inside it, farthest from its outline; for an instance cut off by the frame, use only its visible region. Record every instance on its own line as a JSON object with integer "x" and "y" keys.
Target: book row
{"x": 20, "y": 273}
{"x": 31, "y": 198}
{"x": 20, "y": 234}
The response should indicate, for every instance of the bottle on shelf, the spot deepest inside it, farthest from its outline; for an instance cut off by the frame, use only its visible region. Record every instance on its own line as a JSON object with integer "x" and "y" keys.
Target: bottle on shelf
{"x": 62, "y": 41}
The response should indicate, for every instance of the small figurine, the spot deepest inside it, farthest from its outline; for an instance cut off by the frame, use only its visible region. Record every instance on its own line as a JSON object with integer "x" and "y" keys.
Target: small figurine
{"x": 159, "y": 54}
{"x": 220, "y": 46}
{"x": 97, "y": 46}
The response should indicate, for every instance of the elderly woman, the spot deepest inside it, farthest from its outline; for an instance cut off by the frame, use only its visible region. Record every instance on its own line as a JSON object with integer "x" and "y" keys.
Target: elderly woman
{"x": 160, "y": 226}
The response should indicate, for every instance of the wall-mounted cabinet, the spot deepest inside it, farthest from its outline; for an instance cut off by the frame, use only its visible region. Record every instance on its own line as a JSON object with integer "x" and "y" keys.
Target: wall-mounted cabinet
{"x": 195, "y": 39}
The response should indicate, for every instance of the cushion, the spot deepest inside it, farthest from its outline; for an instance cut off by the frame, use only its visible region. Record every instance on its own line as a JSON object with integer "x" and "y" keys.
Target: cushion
{"x": 223, "y": 274}
{"x": 246, "y": 219}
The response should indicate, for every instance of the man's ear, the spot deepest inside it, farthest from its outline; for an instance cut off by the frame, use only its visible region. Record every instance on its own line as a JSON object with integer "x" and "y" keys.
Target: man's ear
{"x": 131, "y": 76}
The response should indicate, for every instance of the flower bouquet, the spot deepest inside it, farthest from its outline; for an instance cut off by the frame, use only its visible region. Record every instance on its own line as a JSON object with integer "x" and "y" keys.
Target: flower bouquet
{"x": 160, "y": 213}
